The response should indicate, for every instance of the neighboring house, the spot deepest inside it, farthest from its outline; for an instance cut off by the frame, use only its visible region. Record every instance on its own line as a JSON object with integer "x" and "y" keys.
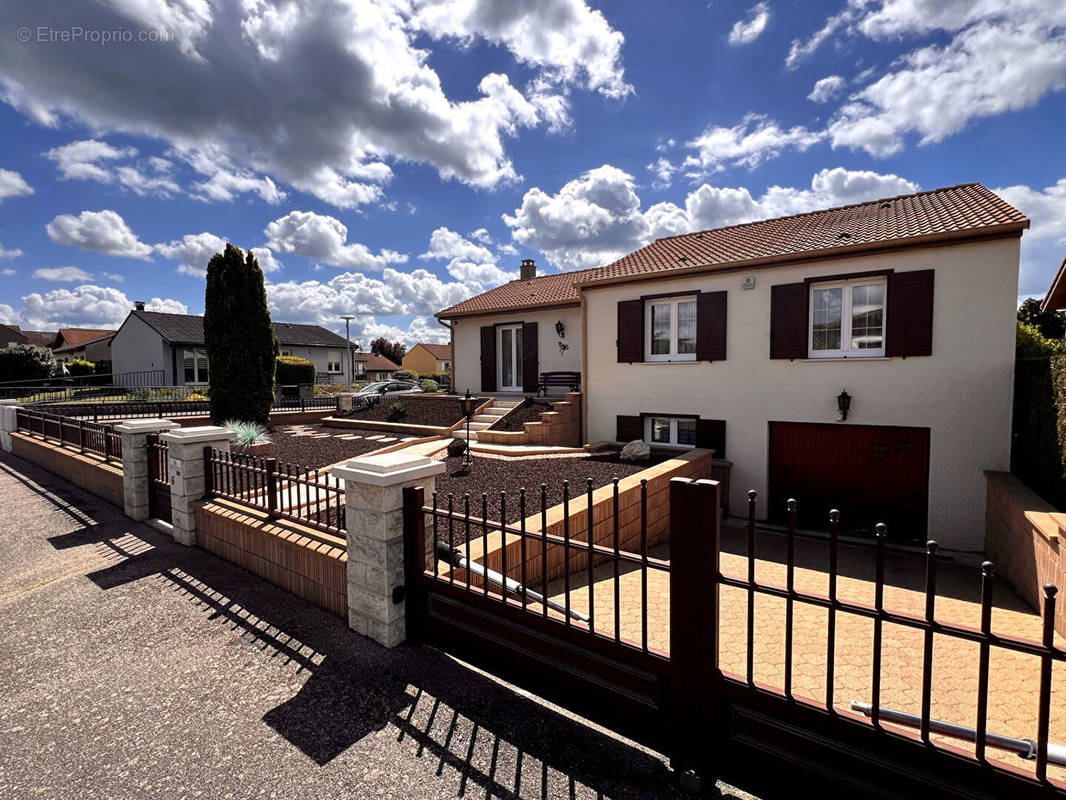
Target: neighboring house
{"x": 1055, "y": 299}
{"x": 173, "y": 345}
{"x": 429, "y": 359}
{"x": 11, "y": 335}
{"x": 369, "y": 367}
{"x": 84, "y": 343}
{"x": 742, "y": 339}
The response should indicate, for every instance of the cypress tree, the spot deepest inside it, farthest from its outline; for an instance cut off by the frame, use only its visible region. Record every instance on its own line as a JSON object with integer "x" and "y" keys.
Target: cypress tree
{"x": 241, "y": 345}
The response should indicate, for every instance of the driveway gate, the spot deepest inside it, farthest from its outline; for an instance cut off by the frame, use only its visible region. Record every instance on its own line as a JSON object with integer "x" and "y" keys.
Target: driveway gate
{"x": 158, "y": 478}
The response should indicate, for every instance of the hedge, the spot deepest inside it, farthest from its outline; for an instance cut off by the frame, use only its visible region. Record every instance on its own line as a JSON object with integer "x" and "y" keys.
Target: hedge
{"x": 1038, "y": 449}
{"x": 293, "y": 370}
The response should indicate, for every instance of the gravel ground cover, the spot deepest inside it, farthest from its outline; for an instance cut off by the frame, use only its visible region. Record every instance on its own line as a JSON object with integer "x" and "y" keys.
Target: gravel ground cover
{"x": 520, "y": 416}
{"x": 316, "y": 450}
{"x": 440, "y": 411}
{"x": 493, "y": 475}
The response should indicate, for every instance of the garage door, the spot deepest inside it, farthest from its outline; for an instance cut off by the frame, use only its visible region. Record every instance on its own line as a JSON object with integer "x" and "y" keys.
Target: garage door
{"x": 871, "y": 473}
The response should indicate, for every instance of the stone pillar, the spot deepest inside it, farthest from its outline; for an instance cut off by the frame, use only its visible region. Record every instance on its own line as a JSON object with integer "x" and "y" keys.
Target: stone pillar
{"x": 8, "y": 422}
{"x": 187, "y": 474}
{"x": 344, "y": 401}
{"x": 373, "y": 491}
{"x": 135, "y": 462}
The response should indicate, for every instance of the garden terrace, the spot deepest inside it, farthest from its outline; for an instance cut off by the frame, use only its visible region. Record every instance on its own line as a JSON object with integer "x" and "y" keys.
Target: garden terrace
{"x": 314, "y": 446}
{"x": 441, "y": 412}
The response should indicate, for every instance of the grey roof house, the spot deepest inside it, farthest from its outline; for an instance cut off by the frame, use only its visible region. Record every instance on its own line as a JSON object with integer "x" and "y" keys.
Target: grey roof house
{"x": 171, "y": 348}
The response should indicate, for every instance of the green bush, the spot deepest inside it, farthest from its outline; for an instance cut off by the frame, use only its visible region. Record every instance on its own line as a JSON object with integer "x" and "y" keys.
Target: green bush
{"x": 427, "y": 385}
{"x": 397, "y": 411}
{"x": 293, "y": 369}
{"x": 405, "y": 375}
{"x": 25, "y": 362}
{"x": 1038, "y": 449}
{"x": 79, "y": 367}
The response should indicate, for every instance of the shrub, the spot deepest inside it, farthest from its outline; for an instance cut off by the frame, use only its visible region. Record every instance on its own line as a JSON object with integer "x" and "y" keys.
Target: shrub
{"x": 293, "y": 369}
{"x": 428, "y": 385}
{"x": 79, "y": 367}
{"x": 397, "y": 411}
{"x": 405, "y": 375}
{"x": 241, "y": 345}
{"x": 25, "y": 362}
{"x": 1038, "y": 450}
{"x": 196, "y": 396}
{"x": 247, "y": 433}
{"x": 456, "y": 447}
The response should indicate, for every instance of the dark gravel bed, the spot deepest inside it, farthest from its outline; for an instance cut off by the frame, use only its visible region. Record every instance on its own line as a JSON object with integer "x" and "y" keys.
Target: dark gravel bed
{"x": 493, "y": 475}
{"x": 530, "y": 412}
{"x": 439, "y": 411}
{"x": 314, "y": 453}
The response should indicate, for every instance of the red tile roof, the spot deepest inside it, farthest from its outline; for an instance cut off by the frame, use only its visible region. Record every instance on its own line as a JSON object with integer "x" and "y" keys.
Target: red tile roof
{"x": 75, "y": 337}
{"x": 1056, "y": 293}
{"x": 954, "y": 212}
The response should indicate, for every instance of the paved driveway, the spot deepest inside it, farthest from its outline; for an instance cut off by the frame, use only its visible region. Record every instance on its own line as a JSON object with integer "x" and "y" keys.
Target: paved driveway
{"x": 132, "y": 667}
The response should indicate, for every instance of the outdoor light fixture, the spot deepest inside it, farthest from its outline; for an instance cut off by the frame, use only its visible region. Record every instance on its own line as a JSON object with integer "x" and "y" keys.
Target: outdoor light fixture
{"x": 560, "y": 329}
{"x": 843, "y": 404}
{"x": 469, "y": 407}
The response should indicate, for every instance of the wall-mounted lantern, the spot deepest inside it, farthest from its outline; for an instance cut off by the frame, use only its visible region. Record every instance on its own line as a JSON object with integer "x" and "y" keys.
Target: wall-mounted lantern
{"x": 843, "y": 404}
{"x": 560, "y": 329}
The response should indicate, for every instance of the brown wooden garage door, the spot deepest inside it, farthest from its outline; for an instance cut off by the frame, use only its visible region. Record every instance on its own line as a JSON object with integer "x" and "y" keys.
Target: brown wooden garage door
{"x": 871, "y": 473}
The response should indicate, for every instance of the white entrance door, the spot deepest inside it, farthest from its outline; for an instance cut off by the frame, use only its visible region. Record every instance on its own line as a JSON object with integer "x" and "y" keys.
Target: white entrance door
{"x": 509, "y": 348}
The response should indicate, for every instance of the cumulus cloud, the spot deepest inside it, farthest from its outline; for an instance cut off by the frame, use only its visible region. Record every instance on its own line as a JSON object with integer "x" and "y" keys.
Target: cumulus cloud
{"x": 192, "y": 252}
{"x": 94, "y": 160}
{"x": 1043, "y": 243}
{"x": 12, "y": 184}
{"x": 826, "y": 89}
{"x": 598, "y": 217}
{"x": 7, "y": 273}
{"x": 9, "y": 253}
{"x": 471, "y": 263}
{"x": 323, "y": 238}
{"x": 87, "y": 305}
{"x": 746, "y": 31}
{"x": 62, "y": 274}
{"x": 755, "y": 140}
{"x": 100, "y": 231}
{"x": 316, "y": 94}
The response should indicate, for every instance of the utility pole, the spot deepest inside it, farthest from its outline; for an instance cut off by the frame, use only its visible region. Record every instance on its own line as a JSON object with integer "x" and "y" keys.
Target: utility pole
{"x": 347, "y": 335}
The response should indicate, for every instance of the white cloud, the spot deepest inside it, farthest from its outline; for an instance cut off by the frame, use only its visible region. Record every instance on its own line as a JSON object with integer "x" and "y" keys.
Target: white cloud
{"x": 100, "y": 231}
{"x": 598, "y": 218}
{"x": 755, "y": 140}
{"x": 12, "y": 184}
{"x": 224, "y": 181}
{"x": 468, "y": 262}
{"x": 62, "y": 274}
{"x": 8, "y": 273}
{"x": 192, "y": 252}
{"x": 663, "y": 170}
{"x": 114, "y": 276}
{"x": 87, "y": 305}
{"x": 746, "y": 31}
{"x": 94, "y": 160}
{"x": 826, "y": 89}
{"x": 800, "y": 51}
{"x": 323, "y": 238}
{"x": 1043, "y": 243}
{"x": 7, "y": 313}
{"x": 317, "y": 94}
{"x": 9, "y": 253}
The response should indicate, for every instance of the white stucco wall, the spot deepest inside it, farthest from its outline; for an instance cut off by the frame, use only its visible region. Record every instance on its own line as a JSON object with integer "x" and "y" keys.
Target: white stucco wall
{"x": 319, "y": 356}
{"x": 467, "y": 374}
{"x": 962, "y": 393}
{"x": 137, "y": 346}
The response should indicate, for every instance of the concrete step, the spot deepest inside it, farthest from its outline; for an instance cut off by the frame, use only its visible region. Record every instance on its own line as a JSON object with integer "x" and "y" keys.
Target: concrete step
{"x": 487, "y": 418}
{"x": 508, "y": 404}
{"x": 462, "y": 435}
{"x": 493, "y": 411}
{"x": 478, "y": 426}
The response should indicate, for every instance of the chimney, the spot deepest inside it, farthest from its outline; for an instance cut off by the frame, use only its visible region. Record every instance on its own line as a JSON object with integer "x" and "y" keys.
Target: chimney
{"x": 139, "y": 305}
{"x": 529, "y": 269}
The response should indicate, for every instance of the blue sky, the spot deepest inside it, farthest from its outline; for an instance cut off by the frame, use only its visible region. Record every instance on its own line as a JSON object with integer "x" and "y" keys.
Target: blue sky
{"x": 389, "y": 158}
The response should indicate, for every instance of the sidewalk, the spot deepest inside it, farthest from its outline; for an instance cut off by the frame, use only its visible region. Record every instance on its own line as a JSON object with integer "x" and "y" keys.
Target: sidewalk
{"x": 133, "y": 667}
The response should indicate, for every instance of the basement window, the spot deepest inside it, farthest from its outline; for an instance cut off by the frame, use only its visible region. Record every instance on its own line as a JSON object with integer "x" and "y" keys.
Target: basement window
{"x": 670, "y": 431}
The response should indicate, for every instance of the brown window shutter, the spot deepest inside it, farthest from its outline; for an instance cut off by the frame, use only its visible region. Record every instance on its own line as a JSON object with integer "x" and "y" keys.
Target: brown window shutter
{"x": 630, "y": 331}
{"x": 628, "y": 429}
{"x": 710, "y": 326}
{"x": 710, "y": 434}
{"x": 788, "y": 320}
{"x": 909, "y": 323}
{"x": 488, "y": 358}
{"x": 530, "y": 358}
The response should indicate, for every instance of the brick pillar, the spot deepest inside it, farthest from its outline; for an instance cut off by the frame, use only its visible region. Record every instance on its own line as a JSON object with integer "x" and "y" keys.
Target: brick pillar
{"x": 135, "y": 463}
{"x": 7, "y": 422}
{"x": 373, "y": 491}
{"x": 187, "y": 483}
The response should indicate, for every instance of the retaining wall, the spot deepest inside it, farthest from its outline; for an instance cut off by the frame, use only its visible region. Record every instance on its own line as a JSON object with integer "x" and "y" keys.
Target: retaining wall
{"x": 87, "y": 471}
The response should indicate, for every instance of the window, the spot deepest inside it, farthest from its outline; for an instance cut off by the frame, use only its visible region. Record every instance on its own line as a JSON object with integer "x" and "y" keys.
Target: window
{"x": 195, "y": 363}
{"x": 286, "y": 352}
{"x": 847, "y": 320}
{"x": 670, "y": 329}
{"x": 670, "y": 431}
{"x": 445, "y": 366}
{"x": 333, "y": 361}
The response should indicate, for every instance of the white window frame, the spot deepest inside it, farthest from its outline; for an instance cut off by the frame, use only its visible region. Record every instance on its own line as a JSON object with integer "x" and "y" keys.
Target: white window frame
{"x": 673, "y": 355}
{"x": 333, "y": 362}
{"x": 286, "y": 352}
{"x": 648, "y": 423}
{"x": 847, "y": 287}
{"x": 200, "y": 365}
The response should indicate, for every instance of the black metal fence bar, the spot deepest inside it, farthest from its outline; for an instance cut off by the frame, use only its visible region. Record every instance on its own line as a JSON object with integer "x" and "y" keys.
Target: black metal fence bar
{"x": 81, "y": 435}
{"x": 168, "y": 408}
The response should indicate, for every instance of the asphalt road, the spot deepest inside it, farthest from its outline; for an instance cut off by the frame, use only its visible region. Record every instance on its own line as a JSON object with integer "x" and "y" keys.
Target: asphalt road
{"x": 133, "y": 667}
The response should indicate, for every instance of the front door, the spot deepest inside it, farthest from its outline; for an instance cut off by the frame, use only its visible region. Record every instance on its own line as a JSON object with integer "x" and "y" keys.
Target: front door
{"x": 509, "y": 349}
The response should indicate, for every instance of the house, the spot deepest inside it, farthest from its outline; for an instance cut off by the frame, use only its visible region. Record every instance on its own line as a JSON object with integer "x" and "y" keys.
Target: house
{"x": 88, "y": 344}
{"x": 858, "y": 358}
{"x": 370, "y": 367}
{"x": 11, "y": 335}
{"x": 1055, "y": 299}
{"x": 170, "y": 350}
{"x": 429, "y": 359}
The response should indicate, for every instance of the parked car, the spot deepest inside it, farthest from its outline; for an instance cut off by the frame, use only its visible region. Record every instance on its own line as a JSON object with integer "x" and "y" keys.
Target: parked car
{"x": 384, "y": 390}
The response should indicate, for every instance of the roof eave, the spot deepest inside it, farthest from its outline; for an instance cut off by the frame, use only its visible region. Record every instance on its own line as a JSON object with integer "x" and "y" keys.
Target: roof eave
{"x": 1056, "y": 293}
{"x": 507, "y": 310}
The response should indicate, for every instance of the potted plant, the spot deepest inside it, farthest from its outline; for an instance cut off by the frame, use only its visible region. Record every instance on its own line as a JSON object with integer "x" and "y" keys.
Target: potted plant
{"x": 251, "y": 439}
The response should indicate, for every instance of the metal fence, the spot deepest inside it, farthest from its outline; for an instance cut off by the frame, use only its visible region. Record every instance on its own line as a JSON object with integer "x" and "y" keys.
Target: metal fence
{"x": 82, "y": 435}
{"x": 311, "y": 497}
{"x": 174, "y": 408}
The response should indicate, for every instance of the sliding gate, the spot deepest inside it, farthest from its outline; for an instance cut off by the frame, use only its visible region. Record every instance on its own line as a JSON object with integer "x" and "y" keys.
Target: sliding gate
{"x": 585, "y": 649}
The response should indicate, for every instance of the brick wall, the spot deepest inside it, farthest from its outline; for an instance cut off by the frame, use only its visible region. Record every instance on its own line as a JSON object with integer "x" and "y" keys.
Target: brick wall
{"x": 87, "y": 471}
{"x": 1024, "y": 539}
{"x": 693, "y": 464}
{"x": 560, "y": 426}
{"x": 310, "y": 564}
